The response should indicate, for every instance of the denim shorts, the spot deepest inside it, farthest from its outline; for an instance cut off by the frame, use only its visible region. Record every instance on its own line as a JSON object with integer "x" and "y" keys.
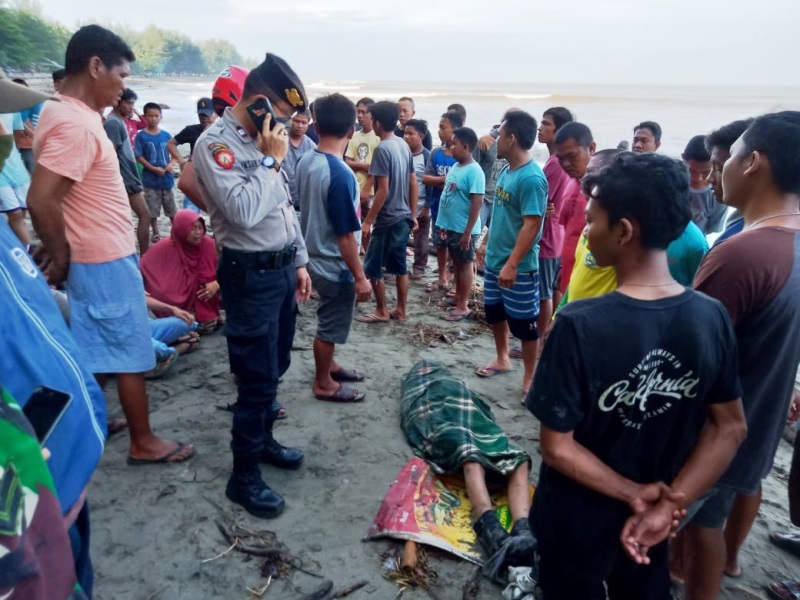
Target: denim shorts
{"x": 549, "y": 268}
{"x": 108, "y": 316}
{"x": 387, "y": 249}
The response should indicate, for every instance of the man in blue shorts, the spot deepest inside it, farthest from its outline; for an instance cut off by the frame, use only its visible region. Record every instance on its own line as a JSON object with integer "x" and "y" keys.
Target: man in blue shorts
{"x": 392, "y": 215}
{"x": 511, "y": 248}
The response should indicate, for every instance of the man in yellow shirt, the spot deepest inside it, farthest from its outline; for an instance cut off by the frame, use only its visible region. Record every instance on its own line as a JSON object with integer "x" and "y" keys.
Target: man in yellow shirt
{"x": 359, "y": 154}
{"x": 588, "y": 280}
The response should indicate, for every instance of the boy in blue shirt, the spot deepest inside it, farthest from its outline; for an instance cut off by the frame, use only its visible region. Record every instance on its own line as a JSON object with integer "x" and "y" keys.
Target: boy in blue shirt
{"x": 458, "y": 220}
{"x": 439, "y": 164}
{"x": 154, "y": 153}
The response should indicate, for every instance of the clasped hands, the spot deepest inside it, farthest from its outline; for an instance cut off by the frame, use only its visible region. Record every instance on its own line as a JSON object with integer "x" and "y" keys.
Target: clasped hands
{"x": 656, "y": 516}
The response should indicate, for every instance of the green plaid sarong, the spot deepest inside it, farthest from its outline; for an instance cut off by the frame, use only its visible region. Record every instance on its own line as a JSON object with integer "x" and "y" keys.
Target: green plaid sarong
{"x": 448, "y": 424}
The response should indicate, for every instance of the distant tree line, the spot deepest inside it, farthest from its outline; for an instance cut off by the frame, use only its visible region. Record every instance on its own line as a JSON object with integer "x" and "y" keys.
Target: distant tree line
{"x": 28, "y": 41}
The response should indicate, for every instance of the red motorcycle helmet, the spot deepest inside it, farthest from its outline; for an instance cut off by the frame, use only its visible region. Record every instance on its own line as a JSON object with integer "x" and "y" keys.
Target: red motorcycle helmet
{"x": 228, "y": 88}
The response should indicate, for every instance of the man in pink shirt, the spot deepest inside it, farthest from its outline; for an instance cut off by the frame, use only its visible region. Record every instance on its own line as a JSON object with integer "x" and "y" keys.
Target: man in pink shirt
{"x": 80, "y": 210}
{"x": 552, "y": 240}
{"x": 574, "y": 148}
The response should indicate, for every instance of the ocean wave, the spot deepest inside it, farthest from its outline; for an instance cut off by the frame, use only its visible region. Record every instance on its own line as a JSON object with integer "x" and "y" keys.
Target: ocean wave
{"x": 348, "y": 84}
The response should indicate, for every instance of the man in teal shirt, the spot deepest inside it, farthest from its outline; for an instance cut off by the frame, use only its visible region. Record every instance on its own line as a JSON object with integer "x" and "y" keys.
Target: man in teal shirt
{"x": 511, "y": 249}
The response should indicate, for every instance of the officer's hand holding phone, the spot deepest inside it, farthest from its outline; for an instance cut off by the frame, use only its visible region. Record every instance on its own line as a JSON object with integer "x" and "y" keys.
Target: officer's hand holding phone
{"x": 273, "y": 142}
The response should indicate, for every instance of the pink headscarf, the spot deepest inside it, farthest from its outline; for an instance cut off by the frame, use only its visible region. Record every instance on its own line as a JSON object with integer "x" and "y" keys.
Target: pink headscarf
{"x": 174, "y": 270}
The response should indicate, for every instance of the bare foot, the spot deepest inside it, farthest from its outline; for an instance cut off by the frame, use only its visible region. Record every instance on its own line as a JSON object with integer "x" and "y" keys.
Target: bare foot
{"x": 733, "y": 570}
{"x": 396, "y": 315}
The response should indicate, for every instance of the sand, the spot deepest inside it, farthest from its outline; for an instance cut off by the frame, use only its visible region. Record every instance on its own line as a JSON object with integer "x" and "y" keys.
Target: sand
{"x": 153, "y": 527}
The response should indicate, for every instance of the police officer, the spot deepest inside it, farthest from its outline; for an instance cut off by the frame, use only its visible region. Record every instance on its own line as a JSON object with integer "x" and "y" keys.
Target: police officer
{"x": 262, "y": 269}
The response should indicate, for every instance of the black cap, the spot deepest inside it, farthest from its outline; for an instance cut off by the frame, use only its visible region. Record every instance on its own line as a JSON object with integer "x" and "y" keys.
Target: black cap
{"x": 205, "y": 107}
{"x": 282, "y": 80}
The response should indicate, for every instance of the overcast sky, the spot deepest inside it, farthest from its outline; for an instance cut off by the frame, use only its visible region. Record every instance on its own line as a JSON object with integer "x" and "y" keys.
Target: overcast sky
{"x": 721, "y": 42}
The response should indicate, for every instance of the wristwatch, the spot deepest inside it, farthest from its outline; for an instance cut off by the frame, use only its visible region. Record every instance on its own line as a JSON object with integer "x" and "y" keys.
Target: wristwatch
{"x": 271, "y": 163}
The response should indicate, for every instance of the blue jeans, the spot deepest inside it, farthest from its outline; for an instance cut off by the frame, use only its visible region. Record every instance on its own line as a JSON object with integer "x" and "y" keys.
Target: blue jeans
{"x": 165, "y": 331}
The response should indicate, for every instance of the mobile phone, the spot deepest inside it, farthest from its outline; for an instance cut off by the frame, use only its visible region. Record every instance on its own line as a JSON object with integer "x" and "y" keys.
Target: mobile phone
{"x": 44, "y": 410}
{"x": 258, "y": 112}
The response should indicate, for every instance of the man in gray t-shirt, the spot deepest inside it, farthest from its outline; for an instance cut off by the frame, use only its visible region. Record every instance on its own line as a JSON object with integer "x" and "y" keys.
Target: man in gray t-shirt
{"x": 116, "y": 131}
{"x": 393, "y": 214}
{"x": 299, "y": 144}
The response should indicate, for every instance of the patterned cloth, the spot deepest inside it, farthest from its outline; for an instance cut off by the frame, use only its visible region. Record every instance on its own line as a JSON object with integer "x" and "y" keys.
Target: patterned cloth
{"x": 448, "y": 424}
{"x": 35, "y": 555}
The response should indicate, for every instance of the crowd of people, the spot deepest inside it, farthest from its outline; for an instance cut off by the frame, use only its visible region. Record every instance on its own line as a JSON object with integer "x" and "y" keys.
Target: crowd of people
{"x": 661, "y": 371}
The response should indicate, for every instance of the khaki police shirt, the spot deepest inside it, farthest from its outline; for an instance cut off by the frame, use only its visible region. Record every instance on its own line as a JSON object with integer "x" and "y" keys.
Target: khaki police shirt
{"x": 247, "y": 202}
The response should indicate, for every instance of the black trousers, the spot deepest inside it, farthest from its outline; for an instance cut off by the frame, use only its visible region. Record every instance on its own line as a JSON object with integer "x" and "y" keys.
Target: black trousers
{"x": 261, "y": 312}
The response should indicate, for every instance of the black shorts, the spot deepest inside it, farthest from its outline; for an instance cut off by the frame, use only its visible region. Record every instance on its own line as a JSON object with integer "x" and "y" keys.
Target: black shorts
{"x": 452, "y": 241}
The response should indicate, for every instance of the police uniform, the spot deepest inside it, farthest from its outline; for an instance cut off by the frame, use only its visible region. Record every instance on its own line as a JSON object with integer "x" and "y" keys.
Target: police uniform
{"x": 261, "y": 247}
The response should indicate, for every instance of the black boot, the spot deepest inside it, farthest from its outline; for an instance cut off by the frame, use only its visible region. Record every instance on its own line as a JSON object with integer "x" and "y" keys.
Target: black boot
{"x": 490, "y": 532}
{"x": 249, "y": 490}
{"x": 278, "y": 455}
{"x": 523, "y": 545}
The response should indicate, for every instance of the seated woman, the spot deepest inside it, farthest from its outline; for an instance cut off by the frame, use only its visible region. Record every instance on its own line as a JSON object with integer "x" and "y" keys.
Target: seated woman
{"x": 453, "y": 429}
{"x": 182, "y": 271}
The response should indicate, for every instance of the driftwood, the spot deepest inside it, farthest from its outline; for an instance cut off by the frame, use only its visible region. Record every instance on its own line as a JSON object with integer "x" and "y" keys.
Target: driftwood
{"x": 321, "y": 592}
{"x": 349, "y": 590}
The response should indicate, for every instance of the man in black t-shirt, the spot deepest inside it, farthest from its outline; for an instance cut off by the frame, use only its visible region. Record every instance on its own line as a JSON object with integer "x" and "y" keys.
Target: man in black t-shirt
{"x": 625, "y": 386}
{"x": 190, "y": 133}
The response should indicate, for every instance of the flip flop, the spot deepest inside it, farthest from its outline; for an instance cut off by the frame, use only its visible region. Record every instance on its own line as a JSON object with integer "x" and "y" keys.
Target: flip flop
{"x": 437, "y": 287}
{"x": 784, "y": 590}
{"x": 138, "y": 462}
{"x": 371, "y": 318}
{"x": 489, "y": 371}
{"x": 447, "y": 301}
{"x": 394, "y": 317}
{"x": 344, "y": 394}
{"x": 348, "y": 375}
{"x": 454, "y": 316}
{"x": 162, "y": 367}
{"x": 515, "y": 352}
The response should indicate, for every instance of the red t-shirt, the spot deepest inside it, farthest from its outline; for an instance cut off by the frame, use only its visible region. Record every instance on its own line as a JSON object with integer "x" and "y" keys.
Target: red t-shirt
{"x": 573, "y": 219}
{"x": 553, "y": 231}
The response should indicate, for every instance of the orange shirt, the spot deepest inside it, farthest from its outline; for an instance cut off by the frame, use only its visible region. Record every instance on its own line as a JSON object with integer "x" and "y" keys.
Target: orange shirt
{"x": 71, "y": 142}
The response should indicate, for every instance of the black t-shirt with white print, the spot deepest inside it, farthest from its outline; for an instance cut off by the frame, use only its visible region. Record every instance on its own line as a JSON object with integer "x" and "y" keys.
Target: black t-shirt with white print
{"x": 631, "y": 379}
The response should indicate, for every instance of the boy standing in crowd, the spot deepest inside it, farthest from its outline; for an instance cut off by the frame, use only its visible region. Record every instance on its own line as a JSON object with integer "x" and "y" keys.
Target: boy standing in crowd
{"x": 327, "y": 194}
{"x": 154, "y": 153}
{"x": 415, "y": 131}
{"x": 393, "y": 214}
{"x": 439, "y": 164}
{"x": 459, "y": 216}
{"x": 359, "y": 154}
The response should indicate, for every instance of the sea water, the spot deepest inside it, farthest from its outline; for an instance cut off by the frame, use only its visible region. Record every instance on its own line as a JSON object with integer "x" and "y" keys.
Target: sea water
{"x": 610, "y": 111}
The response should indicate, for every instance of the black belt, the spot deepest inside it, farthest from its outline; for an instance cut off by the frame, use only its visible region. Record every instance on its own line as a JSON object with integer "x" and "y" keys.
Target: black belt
{"x": 262, "y": 260}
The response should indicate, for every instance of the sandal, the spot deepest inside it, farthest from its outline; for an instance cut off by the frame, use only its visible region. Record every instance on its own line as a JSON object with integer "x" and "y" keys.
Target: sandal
{"x": 437, "y": 286}
{"x": 343, "y": 394}
{"x": 207, "y": 327}
{"x": 162, "y": 367}
{"x": 371, "y": 318}
{"x": 348, "y": 375}
{"x": 784, "y": 590}
{"x": 181, "y": 453}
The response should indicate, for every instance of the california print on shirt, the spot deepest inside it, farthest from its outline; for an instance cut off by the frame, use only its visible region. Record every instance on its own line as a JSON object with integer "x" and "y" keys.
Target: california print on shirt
{"x": 651, "y": 389}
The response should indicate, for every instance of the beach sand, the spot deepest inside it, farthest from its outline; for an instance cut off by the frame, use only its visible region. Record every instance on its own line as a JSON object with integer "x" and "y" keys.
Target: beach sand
{"x": 153, "y": 527}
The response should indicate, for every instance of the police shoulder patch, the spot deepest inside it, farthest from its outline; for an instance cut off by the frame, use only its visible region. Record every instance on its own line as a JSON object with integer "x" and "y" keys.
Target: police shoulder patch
{"x": 222, "y": 155}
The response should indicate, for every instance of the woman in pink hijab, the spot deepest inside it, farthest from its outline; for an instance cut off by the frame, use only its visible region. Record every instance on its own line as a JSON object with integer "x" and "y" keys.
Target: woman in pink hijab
{"x": 182, "y": 270}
